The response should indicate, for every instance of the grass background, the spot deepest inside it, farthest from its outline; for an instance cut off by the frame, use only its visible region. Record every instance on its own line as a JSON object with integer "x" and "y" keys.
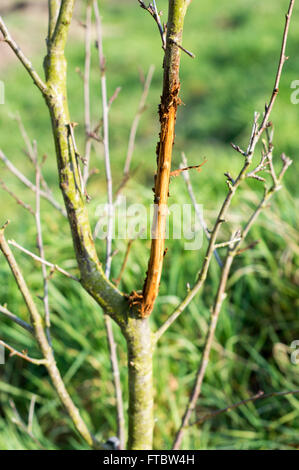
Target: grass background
{"x": 237, "y": 46}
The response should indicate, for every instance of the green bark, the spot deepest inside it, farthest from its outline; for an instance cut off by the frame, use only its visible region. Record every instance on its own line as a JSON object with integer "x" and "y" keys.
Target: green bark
{"x": 140, "y": 365}
{"x": 92, "y": 274}
{"x": 175, "y": 25}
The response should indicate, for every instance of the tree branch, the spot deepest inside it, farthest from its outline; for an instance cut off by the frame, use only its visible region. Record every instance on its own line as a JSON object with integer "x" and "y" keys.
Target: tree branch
{"x": 23, "y": 59}
{"x": 49, "y": 359}
{"x": 197, "y": 212}
{"x": 16, "y": 319}
{"x": 53, "y": 10}
{"x": 54, "y": 267}
{"x": 14, "y": 352}
{"x": 93, "y": 278}
{"x": 256, "y": 134}
{"x": 108, "y": 325}
{"x": 233, "y": 251}
{"x": 25, "y": 206}
{"x": 87, "y": 118}
{"x": 168, "y": 110}
{"x": 40, "y": 246}
{"x": 136, "y": 120}
{"x": 258, "y": 396}
{"x": 46, "y": 195}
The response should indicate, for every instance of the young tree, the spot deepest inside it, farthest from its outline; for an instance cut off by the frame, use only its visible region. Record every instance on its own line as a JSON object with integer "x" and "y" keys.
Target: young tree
{"x": 130, "y": 311}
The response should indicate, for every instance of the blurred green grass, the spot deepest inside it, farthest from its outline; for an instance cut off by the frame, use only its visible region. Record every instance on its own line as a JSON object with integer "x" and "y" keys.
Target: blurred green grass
{"x": 236, "y": 46}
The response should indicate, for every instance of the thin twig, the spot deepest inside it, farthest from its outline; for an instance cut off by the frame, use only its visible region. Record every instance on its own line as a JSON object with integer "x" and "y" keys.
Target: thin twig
{"x": 198, "y": 213}
{"x": 153, "y": 11}
{"x": 29, "y": 146}
{"x": 254, "y": 138}
{"x": 53, "y": 11}
{"x": 233, "y": 251}
{"x": 124, "y": 263}
{"x": 31, "y": 150}
{"x": 31, "y": 414}
{"x": 16, "y": 198}
{"x": 206, "y": 353}
{"x": 14, "y": 352}
{"x": 189, "y": 53}
{"x": 113, "y": 97}
{"x": 17, "y": 420}
{"x": 30, "y": 185}
{"x": 228, "y": 243}
{"x": 107, "y": 319}
{"x": 54, "y": 267}
{"x": 23, "y": 59}
{"x": 136, "y": 119}
{"x": 88, "y": 140}
{"x": 16, "y": 319}
{"x": 283, "y": 58}
{"x": 40, "y": 246}
{"x": 105, "y": 111}
{"x": 258, "y": 396}
{"x": 46, "y": 350}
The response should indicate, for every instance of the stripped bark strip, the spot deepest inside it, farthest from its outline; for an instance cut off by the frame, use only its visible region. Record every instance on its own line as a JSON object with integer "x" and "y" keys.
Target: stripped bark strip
{"x": 168, "y": 111}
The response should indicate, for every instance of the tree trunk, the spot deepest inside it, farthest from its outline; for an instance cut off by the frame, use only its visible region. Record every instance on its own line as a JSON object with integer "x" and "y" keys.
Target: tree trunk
{"x": 140, "y": 364}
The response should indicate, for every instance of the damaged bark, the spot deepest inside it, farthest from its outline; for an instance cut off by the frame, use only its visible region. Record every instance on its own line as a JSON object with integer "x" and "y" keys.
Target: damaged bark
{"x": 168, "y": 111}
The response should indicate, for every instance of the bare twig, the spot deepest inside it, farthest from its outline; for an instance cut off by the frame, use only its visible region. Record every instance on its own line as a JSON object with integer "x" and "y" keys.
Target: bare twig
{"x": 133, "y": 132}
{"x": 113, "y": 97}
{"x": 16, "y": 198}
{"x": 254, "y": 138}
{"x": 49, "y": 359}
{"x": 46, "y": 195}
{"x": 53, "y": 9}
{"x": 228, "y": 243}
{"x": 31, "y": 150}
{"x": 136, "y": 120}
{"x": 206, "y": 353}
{"x": 29, "y": 146}
{"x": 41, "y": 250}
{"x": 16, "y": 319}
{"x": 198, "y": 213}
{"x": 108, "y": 324}
{"x": 153, "y": 11}
{"x": 54, "y": 267}
{"x": 189, "y": 53}
{"x": 17, "y": 420}
{"x": 23, "y": 355}
{"x": 282, "y": 59}
{"x": 233, "y": 251}
{"x": 23, "y": 59}
{"x": 258, "y": 396}
{"x": 124, "y": 263}
{"x": 31, "y": 413}
{"x": 105, "y": 111}
{"x": 88, "y": 140}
